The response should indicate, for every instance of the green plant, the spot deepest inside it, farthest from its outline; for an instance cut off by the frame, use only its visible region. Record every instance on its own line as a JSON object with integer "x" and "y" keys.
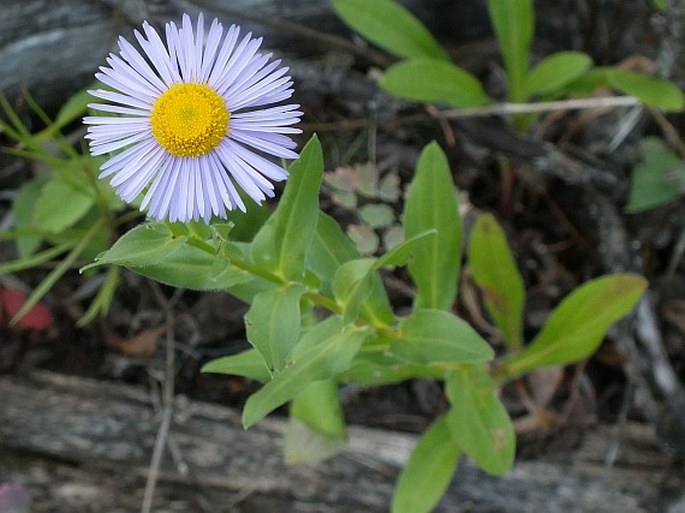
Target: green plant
{"x": 320, "y": 316}
{"x": 425, "y": 72}
{"x": 63, "y": 212}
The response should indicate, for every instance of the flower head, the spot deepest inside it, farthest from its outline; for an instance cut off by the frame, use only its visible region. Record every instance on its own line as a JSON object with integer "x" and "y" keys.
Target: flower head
{"x": 191, "y": 121}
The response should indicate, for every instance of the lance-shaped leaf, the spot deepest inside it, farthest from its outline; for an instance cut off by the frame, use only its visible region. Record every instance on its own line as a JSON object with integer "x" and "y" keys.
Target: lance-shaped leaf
{"x": 281, "y": 244}
{"x": 513, "y": 22}
{"x": 576, "y": 327}
{"x": 22, "y": 209}
{"x": 478, "y": 421}
{"x": 323, "y": 352}
{"x": 653, "y": 91}
{"x": 383, "y": 368}
{"x": 151, "y": 250}
{"x": 494, "y": 271}
{"x": 352, "y": 285}
{"x": 439, "y": 337}
{"x": 248, "y": 363}
{"x": 317, "y": 427}
{"x": 353, "y": 282}
{"x": 60, "y": 205}
{"x": 390, "y": 26}
{"x": 432, "y": 205}
{"x": 433, "y": 80}
{"x": 428, "y": 471}
{"x": 273, "y": 323}
{"x": 555, "y": 71}
{"x": 144, "y": 245}
{"x": 330, "y": 249}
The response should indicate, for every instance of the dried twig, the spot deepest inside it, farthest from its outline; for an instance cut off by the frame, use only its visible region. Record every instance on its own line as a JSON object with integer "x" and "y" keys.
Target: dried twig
{"x": 167, "y": 402}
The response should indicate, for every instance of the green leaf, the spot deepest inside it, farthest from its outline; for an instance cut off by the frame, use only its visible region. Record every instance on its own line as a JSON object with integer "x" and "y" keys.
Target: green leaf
{"x": 555, "y": 71}
{"x": 99, "y": 306}
{"x": 152, "y": 250}
{"x": 317, "y": 427}
{"x": 72, "y": 109}
{"x": 144, "y": 245}
{"x": 248, "y": 363}
{"x": 657, "y": 179}
{"x": 428, "y": 472}
{"x": 390, "y": 26}
{"x": 352, "y": 285}
{"x": 192, "y": 268}
{"x": 60, "y": 206}
{"x": 432, "y": 205}
{"x": 404, "y": 252}
{"x": 652, "y": 91}
{"x": 494, "y": 271}
{"x": 432, "y": 80}
{"x": 323, "y": 352}
{"x": 23, "y": 207}
{"x": 578, "y": 324}
{"x": 273, "y": 323}
{"x": 383, "y": 368}
{"x": 513, "y": 22}
{"x": 330, "y": 248}
{"x": 281, "y": 244}
{"x": 353, "y": 282}
{"x": 439, "y": 337}
{"x": 478, "y": 421}
{"x": 319, "y": 407}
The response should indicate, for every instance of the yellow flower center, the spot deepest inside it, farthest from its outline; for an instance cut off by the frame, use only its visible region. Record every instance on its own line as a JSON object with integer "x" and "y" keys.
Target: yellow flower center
{"x": 189, "y": 120}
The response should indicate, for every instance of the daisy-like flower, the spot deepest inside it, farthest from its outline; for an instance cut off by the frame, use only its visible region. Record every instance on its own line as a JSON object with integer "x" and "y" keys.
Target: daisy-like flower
{"x": 191, "y": 120}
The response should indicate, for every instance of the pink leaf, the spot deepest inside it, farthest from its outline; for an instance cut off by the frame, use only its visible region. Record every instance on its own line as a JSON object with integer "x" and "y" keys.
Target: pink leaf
{"x": 38, "y": 318}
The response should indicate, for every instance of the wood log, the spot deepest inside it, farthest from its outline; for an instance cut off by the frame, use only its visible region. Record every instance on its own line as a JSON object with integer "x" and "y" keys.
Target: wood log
{"x": 52, "y": 49}
{"x": 84, "y": 445}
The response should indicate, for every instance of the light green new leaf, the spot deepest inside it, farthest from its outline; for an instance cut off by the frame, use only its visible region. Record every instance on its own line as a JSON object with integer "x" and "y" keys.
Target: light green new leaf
{"x": 352, "y": 285}
{"x": 432, "y": 80}
{"x": 653, "y": 91}
{"x": 273, "y": 323}
{"x": 513, "y": 22}
{"x": 60, "y": 206}
{"x": 494, "y": 271}
{"x": 657, "y": 179}
{"x": 389, "y": 25}
{"x": 323, "y": 352}
{"x": 144, "y": 245}
{"x": 428, "y": 472}
{"x": 317, "y": 428}
{"x": 578, "y": 324}
{"x": 281, "y": 244}
{"x": 478, "y": 421}
{"x": 555, "y": 71}
{"x": 439, "y": 337}
{"x": 331, "y": 248}
{"x": 248, "y": 363}
{"x": 432, "y": 205}
{"x": 405, "y": 251}
{"x": 353, "y": 281}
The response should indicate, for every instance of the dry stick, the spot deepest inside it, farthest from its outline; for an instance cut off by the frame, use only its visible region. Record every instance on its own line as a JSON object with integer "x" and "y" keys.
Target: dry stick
{"x": 167, "y": 404}
{"x": 500, "y": 109}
